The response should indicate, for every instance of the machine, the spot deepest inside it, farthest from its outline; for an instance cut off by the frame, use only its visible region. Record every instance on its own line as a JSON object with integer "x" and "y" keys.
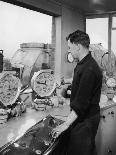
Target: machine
{"x": 105, "y": 139}
{"x": 13, "y": 82}
{"x": 43, "y": 85}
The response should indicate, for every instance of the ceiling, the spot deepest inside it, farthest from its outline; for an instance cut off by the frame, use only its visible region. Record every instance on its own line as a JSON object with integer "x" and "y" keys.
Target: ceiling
{"x": 89, "y": 7}
{"x": 92, "y": 6}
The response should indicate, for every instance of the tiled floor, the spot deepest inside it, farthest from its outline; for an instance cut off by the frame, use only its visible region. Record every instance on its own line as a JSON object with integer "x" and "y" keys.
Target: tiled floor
{"x": 15, "y": 127}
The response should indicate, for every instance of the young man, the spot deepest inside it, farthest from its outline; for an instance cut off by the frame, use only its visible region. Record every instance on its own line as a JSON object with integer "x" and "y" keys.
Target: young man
{"x": 83, "y": 120}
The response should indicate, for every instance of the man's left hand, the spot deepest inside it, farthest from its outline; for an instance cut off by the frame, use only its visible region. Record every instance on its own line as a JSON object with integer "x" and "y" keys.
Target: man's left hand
{"x": 59, "y": 129}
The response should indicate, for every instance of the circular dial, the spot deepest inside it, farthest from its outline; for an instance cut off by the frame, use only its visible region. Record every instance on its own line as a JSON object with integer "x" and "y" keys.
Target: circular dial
{"x": 9, "y": 88}
{"x": 43, "y": 83}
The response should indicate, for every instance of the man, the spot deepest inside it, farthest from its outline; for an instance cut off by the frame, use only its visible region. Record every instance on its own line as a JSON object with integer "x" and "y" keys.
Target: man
{"x": 83, "y": 120}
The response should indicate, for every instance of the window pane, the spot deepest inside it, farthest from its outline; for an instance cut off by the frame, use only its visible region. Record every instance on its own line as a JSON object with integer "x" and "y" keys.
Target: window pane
{"x": 113, "y": 46}
{"x": 98, "y": 31}
{"x": 20, "y": 25}
{"x": 114, "y": 22}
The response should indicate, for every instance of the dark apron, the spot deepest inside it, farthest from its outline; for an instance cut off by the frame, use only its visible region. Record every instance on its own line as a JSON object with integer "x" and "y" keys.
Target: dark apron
{"x": 79, "y": 139}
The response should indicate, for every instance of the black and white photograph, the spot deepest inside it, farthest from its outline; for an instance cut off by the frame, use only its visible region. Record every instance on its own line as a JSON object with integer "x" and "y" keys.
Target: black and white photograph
{"x": 57, "y": 77}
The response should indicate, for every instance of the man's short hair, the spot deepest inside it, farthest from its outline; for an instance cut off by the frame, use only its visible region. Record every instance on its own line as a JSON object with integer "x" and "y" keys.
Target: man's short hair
{"x": 79, "y": 37}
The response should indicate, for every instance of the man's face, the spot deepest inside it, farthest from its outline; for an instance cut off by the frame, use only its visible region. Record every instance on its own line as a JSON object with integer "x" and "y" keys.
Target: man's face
{"x": 73, "y": 49}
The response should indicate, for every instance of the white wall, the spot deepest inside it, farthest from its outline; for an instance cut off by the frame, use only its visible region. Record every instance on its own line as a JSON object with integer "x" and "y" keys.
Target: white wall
{"x": 71, "y": 21}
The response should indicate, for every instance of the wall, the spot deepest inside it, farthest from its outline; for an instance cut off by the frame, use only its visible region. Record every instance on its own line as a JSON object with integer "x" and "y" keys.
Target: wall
{"x": 71, "y": 20}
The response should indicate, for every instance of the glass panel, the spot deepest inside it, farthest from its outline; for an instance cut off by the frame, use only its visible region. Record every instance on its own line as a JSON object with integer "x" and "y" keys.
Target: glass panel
{"x": 113, "y": 47}
{"x": 20, "y": 25}
{"x": 114, "y": 22}
{"x": 97, "y": 29}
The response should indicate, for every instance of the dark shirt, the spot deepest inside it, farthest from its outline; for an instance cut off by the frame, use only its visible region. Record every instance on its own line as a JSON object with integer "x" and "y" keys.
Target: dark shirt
{"x": 86, "y": 88}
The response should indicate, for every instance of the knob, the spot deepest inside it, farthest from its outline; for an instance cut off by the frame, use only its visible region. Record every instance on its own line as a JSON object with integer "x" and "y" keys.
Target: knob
{"x": 112, "y": 112}
{"x": 103, "y": 116}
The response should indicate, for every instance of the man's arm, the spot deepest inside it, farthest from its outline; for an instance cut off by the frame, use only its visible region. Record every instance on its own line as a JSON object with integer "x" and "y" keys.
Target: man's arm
{"x": 71, "y": 118}
{"x": 59, "y": 129}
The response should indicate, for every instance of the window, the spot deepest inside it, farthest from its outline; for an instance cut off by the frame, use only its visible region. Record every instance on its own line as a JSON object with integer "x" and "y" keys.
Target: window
{"x": 20, "y": 25}
{"x": 113, "y": 45}
{"x": 97, "y": 29}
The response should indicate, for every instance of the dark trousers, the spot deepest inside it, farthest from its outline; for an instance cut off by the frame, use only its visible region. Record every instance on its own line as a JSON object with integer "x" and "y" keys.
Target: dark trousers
{"x": 79, "y": 139}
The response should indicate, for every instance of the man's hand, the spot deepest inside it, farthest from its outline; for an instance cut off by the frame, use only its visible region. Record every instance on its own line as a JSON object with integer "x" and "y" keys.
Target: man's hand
{"x": 59, "y": 129}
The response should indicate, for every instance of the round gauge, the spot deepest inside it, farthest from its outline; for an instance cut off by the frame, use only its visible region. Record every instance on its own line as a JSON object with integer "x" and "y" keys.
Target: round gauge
{"x": 10, "y": 87}
{"x": 70, "y": 58}
{"x": 43, "y": 82}
{"x": 111, "y": 82}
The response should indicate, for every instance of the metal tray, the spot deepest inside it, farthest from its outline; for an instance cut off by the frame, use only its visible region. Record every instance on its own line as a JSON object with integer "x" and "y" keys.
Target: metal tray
{"x": 36, "y": 140}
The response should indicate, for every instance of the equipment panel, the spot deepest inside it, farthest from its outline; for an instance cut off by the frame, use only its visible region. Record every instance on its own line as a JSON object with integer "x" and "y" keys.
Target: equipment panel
{"x": 106, "y": 136}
